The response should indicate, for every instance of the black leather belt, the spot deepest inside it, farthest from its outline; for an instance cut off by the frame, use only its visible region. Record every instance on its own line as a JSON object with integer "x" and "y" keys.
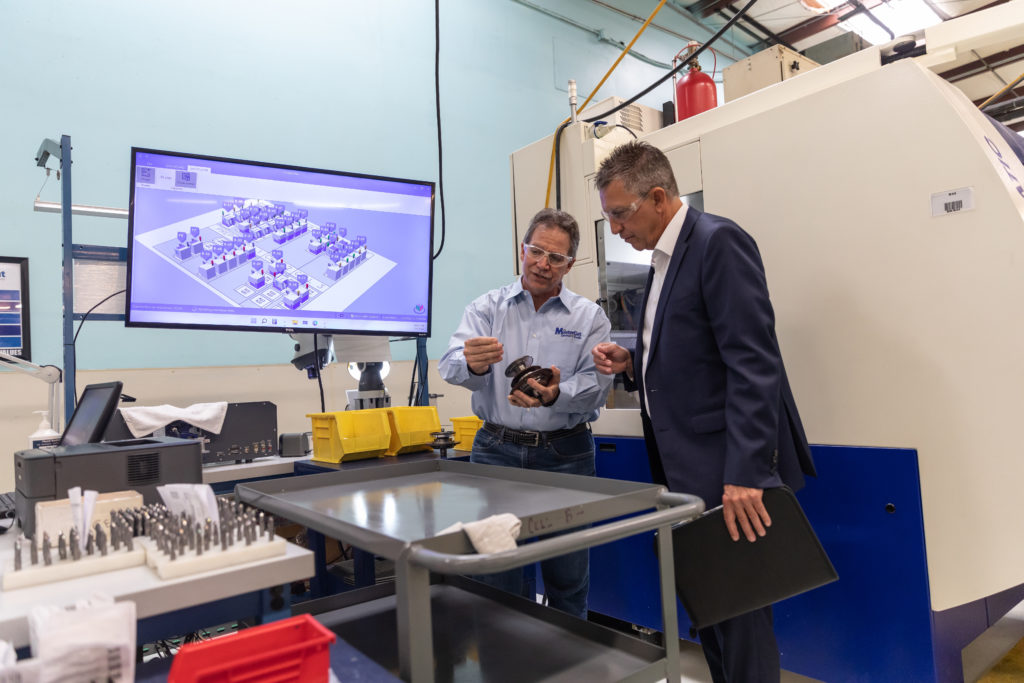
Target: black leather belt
{"x": 526, "y": 438}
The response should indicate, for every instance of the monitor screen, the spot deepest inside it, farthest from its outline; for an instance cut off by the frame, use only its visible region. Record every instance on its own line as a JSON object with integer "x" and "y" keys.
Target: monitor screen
{"x": 226, "y": 244}
{"x": 92, "y": 413}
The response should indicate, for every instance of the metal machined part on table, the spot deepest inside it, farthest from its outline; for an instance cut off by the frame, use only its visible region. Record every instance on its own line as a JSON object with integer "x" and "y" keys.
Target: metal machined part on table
{"x": 397, "y": 512}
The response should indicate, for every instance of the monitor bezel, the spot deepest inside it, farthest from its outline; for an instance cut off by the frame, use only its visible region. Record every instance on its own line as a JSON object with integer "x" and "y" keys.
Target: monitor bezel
{"x": 397, "y": 332}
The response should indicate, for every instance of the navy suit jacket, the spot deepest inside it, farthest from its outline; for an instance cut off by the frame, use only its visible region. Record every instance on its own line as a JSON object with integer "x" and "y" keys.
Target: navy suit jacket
{"x": 721, "y": 409}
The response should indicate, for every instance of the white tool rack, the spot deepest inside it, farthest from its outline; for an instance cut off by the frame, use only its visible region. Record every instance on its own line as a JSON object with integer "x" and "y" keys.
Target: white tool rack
{"x": 447, "y": 624}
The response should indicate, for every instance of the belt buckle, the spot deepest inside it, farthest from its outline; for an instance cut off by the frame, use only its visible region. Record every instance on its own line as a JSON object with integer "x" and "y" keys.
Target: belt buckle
{"x": 528, "y": 439}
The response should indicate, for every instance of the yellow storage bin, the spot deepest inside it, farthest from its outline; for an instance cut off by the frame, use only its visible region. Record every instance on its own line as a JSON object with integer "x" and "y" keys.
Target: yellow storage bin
{"x": 411, "y": 427}
{"x": 465, "y": 430}
{"x": 350, "y": 435}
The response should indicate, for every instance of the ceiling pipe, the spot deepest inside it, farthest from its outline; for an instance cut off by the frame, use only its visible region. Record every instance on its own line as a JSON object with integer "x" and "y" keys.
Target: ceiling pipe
{"x": 772, "y": 36}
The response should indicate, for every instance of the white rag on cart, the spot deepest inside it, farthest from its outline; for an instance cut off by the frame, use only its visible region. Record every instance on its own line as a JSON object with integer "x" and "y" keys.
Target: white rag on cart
{"x": 491, "y": 535}
{"x": 143, "y": 420}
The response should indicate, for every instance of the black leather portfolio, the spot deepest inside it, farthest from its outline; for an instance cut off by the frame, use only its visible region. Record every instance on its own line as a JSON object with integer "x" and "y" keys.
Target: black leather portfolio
{"x": 718, "y": 578}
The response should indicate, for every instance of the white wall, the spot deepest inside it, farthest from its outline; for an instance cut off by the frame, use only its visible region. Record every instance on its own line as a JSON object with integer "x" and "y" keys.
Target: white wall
{"x": 294, "y": 395}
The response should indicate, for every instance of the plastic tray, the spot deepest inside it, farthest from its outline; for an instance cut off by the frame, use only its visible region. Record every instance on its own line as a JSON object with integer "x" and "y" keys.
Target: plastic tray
{"x": 465, "y": 429}
{"x": 350, "y": 435}
{"x": 411, "y": 428}
{"x": 296, "y": 649}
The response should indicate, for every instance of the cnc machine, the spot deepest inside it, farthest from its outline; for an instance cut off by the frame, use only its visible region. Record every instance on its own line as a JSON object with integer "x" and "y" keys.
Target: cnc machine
{"x": 890, "y": 216}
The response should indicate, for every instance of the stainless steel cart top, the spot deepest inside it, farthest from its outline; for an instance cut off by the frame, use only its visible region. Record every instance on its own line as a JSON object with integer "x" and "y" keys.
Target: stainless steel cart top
{"x": 382, "y": 510}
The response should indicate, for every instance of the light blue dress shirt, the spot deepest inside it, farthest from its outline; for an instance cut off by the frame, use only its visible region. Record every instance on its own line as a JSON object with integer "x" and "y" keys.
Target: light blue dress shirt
{"x": 562, "y": 333}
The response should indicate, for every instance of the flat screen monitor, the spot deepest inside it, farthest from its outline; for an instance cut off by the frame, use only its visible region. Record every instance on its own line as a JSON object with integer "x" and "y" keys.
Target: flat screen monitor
{"x": 226, "y": 244}
{"x": 92, "y": 413}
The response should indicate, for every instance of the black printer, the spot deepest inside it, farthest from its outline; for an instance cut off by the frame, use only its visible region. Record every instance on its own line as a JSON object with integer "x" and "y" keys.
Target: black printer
{"x": 82, "y": 460}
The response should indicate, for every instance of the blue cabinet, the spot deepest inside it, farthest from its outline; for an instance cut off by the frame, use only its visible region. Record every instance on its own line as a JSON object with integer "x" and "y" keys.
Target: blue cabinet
{"x": 876, "y": 622}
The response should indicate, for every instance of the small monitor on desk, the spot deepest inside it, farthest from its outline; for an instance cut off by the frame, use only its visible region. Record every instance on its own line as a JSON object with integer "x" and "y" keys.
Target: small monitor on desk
{"x": 92, "y": 413}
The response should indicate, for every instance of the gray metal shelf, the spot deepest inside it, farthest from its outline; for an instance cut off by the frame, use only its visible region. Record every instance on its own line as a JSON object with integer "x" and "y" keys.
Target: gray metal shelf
{"x": 480, "y": 633}
{"x": 397, "y": 512}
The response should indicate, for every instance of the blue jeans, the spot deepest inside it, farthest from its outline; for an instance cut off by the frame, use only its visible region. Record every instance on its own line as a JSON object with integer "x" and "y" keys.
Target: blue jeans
{"x": 566, "y": 578}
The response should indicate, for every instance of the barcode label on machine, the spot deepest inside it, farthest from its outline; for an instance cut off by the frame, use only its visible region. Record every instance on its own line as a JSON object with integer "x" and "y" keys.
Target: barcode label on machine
{"x": 952, "y": 201}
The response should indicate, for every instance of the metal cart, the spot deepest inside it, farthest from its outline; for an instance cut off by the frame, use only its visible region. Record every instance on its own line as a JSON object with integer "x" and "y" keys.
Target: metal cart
{"x": 396, "y": 512}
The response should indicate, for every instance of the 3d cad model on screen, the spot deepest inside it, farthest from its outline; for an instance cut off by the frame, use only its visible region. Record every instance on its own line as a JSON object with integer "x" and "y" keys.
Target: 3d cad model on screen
{"x": 256, "y": 253}
{"x": 230, "y": 244}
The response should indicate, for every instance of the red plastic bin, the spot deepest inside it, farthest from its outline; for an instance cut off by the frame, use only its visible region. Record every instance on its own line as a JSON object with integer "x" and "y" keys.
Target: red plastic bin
{"x": 295, "y": 649}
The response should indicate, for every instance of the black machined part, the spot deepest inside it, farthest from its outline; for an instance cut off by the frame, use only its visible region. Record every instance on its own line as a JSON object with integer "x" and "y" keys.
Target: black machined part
{"x": 443, "y": 441}
{"x": 521, "y": 382}
{"x": 522, "y": 370}
{"x": 518, "y": 365}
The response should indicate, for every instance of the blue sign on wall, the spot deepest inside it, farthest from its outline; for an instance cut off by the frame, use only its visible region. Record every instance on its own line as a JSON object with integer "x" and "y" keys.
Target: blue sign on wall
{"x": 14, "y": 315}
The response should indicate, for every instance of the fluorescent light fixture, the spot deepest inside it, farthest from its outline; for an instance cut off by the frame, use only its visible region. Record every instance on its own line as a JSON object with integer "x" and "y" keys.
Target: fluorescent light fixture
{"x": 901, "y": 16}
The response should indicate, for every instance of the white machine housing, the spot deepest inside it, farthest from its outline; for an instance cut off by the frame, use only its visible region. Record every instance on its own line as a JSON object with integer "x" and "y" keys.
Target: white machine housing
{"x": 900, "y": 323}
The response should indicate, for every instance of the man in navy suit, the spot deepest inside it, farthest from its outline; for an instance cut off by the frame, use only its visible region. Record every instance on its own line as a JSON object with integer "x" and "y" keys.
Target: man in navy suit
{"x": 718, "y": 414}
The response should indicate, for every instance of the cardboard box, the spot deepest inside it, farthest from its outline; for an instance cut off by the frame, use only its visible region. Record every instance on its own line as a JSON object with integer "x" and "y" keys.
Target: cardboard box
{"x": 767, "y": 67}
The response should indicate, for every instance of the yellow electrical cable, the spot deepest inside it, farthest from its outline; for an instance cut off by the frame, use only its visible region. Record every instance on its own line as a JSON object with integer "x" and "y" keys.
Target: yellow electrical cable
{"x": 625, "y": 51}
{"x": 1000, "y": 93}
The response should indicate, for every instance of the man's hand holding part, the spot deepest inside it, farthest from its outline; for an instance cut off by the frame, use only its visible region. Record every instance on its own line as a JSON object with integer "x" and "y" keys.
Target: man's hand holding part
{"x": 548, "y": 394}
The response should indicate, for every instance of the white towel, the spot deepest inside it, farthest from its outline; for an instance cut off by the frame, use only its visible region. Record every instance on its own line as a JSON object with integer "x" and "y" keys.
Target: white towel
{"x": 491, "y": 535}
{"x": 144, "y": 420}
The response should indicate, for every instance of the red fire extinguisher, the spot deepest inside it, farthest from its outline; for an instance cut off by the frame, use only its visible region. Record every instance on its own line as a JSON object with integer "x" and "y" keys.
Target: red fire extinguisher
{"x": 695, "y": 91}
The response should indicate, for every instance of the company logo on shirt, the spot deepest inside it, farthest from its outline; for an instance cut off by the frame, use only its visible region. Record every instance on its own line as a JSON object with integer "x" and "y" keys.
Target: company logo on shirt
{"x": 568, "y": 334}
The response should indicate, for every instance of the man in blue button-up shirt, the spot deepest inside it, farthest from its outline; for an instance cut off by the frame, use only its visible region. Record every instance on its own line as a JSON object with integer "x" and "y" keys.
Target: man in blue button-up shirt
{"x": 536, "y": 316}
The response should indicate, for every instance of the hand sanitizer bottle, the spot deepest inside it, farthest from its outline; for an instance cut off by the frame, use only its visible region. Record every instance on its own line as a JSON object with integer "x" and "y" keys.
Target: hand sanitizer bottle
{"x": 44, "y": 434}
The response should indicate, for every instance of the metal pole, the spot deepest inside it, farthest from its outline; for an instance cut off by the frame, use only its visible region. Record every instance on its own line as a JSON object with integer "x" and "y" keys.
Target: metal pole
{"x": 572, "y": 101}
{"x": 422, "y": 365}
{"x": 670, "y": 623}
{"x": 68, "y": 266}
{"x": 415, "y": 630}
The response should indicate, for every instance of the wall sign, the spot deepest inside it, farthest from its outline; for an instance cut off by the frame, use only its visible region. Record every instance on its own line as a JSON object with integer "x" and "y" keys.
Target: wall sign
{"x": 14, "y": 317}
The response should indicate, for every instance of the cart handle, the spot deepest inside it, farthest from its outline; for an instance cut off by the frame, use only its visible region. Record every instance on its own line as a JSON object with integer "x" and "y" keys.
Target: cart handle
{"x": 682, "y": 507}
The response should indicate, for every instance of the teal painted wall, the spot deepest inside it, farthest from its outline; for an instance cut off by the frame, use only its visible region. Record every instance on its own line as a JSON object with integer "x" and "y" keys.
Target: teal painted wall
{"x": 355, "y": 92}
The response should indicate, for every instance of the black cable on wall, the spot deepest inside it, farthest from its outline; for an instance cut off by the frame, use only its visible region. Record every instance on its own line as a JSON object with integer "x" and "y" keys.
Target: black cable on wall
{"x": 437, "y": 104}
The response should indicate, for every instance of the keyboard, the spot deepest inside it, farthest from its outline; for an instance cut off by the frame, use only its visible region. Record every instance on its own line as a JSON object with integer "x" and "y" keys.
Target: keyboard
{"x": 7, "y": 505}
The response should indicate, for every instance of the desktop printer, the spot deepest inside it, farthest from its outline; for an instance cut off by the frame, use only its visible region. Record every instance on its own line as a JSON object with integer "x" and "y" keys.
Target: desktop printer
{"x": 81, "y": 459}
{"x": 137, "y": 464}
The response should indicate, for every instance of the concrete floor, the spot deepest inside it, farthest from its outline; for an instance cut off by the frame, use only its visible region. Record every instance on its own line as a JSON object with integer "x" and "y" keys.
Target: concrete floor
{"x": 978, "y": 657}
{"x": 987, "y": 649}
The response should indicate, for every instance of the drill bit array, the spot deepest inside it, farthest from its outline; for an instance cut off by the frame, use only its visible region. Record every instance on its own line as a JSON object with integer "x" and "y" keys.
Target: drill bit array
{"x": 173, "y": 545}
{"x": 107, "y": 546}
{"x": 178, "y": 545}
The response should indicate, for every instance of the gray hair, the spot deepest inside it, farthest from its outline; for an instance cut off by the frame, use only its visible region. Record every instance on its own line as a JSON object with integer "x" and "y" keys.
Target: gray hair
{"x": 553, "y": 218}
{"x": 640, "y": 166}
